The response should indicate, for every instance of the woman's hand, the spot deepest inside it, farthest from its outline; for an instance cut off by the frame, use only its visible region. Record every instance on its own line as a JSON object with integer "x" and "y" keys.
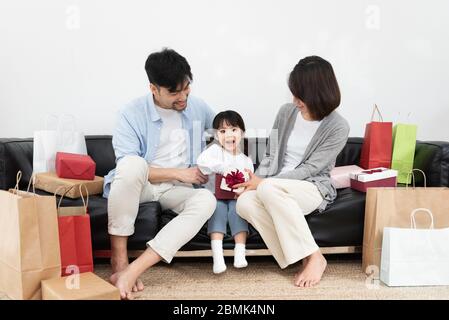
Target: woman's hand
{"x": 251, "y": 184}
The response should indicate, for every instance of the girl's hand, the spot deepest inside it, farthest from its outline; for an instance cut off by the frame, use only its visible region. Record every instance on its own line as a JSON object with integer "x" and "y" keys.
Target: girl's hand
{"x": 251, "y": 184}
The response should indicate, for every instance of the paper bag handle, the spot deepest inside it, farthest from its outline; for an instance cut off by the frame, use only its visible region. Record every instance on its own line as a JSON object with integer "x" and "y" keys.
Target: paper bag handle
{"x": 413, "y": 178}
{"x": 18, "y": 178}
{"x": 85, "y": 202}
{"x": 412, "y": 217}
{"x": 398, "y": 120}
{"x": 378, "y": 112}
{"x": 59, "y": 122}
{"x": 32, "y": 182}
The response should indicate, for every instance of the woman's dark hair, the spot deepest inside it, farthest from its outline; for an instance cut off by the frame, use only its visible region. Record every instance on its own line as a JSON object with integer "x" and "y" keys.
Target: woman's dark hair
{"x": 313, "y": 81}
{"x": 168, "y": 69}
{"x": 229, "y": 117}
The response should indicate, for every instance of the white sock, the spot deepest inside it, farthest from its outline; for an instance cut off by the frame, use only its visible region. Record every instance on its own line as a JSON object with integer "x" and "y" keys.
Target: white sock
{"x": 217, "y": 255}
{"x": 239, "y": 256}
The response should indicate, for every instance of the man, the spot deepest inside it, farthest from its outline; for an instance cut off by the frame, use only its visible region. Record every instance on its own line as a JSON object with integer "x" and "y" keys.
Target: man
{"x": 156, "y": 141}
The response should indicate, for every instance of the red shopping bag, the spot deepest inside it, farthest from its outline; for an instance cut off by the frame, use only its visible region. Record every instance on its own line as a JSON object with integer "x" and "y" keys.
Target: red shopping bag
{"x": 75, "y": 238}
{"x": 377, "y": 144}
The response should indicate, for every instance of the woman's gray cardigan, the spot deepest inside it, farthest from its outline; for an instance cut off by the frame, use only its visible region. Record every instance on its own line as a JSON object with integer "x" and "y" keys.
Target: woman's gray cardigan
{"x": 319, "y": 157}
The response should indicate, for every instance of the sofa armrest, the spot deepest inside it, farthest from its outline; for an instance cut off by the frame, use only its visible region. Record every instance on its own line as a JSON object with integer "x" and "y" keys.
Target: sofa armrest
{"x": 432, "y": 157}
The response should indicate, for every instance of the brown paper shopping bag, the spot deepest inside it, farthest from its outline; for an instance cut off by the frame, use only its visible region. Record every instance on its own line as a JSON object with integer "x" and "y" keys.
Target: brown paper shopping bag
{"x": 29, "y": 246}
{"x": 391, "y": 207}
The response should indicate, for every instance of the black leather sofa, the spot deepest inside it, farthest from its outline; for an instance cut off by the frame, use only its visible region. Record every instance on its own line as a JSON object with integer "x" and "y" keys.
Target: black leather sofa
{"x": 340, "y": 225}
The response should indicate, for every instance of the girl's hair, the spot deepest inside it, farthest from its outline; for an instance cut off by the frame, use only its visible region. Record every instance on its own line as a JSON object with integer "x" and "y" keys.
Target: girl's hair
{"x": 229, "y": 117}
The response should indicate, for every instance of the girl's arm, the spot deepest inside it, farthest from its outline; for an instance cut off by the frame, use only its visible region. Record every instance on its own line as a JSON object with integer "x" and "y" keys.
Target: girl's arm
{"x": 211, "y": 160}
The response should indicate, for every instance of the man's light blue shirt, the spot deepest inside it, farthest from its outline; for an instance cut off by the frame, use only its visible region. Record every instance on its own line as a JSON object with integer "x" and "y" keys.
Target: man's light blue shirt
{"x": 137, "y": 131}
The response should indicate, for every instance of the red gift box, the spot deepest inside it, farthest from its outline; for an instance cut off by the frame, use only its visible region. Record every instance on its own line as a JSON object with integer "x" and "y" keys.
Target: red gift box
{"x": 227, "y": 181}
{"x": 221, "y": 194}
{"x": 363, "y": 186}
{"x": 375, "y": 178}
{"x": 75, "y": 166}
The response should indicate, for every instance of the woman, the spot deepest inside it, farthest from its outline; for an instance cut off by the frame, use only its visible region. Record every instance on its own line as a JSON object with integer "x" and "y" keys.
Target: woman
{"x": 310, "y": 135}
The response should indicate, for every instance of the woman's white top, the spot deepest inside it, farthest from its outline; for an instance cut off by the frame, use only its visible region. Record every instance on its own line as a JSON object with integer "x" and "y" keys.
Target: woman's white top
{"x": 299, "y": 139}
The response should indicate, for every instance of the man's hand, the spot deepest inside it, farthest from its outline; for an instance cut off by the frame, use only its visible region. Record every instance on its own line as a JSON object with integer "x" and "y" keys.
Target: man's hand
{"x": 251, "y": 184}
{"x": 191, "y": 175}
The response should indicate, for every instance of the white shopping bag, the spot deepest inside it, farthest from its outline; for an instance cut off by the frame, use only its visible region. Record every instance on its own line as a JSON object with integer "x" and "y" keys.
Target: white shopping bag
{"x": 415, "y": 257}
{"x": 63, "y": 138}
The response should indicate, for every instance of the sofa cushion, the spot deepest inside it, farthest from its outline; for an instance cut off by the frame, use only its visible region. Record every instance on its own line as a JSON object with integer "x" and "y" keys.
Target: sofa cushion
{"x": 146, "y": 225}
{"x": 341, "y": 224}
{"x": 15, "y": 155}
{"x": 101, "y": 151}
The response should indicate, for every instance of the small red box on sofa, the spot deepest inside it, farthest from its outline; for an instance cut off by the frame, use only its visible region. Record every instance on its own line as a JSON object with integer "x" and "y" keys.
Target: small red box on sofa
{"x": 373, "y": 178}
{"x": 75, "y": 166}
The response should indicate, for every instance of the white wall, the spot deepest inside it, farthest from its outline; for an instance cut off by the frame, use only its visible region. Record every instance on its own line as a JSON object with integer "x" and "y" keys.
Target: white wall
{"x": 87, "y": 57}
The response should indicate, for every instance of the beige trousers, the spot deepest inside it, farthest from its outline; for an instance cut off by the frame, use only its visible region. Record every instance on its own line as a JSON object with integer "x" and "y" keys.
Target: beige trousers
{"x": 131, "y": 187}
{"x": 277, "y": 209}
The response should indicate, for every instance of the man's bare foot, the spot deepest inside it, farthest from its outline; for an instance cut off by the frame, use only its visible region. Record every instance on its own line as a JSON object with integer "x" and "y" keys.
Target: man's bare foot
{"x": 312, "y": 271}
{"x": 123, "y": 281}
{"x": 119, "y": 264}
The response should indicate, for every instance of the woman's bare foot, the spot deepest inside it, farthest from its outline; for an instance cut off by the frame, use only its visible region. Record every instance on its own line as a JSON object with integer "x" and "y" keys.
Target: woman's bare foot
{"x": 312, "y": 271}
{"x": 124, "y": 280}
{"x": 119, "y": 264}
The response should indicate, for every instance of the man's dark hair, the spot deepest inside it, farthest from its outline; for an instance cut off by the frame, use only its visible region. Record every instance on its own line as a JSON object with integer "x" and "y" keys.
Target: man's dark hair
{"x": 168, "y": 69}
{"x": 313, "y": 81}
{"x": 229, "y": 117}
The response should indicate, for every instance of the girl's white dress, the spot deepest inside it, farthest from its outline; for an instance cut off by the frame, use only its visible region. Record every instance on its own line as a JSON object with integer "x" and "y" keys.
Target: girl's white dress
{"x": 216, "y": 159}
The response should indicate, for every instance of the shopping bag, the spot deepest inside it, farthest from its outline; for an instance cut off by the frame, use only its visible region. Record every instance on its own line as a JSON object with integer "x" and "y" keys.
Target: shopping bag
{"x": 391, "y": 207}
{"x": 403, "y": 154}
{"x": 62, "y": 138}
{"x": 29, "y": 246}
{"x": 415, "y": 257}
{"x": 377, "y": 143}
{"x": 75, "y": 236}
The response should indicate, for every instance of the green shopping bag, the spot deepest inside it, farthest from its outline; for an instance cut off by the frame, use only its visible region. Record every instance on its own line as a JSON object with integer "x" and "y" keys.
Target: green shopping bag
{"x": 404, "y": 143}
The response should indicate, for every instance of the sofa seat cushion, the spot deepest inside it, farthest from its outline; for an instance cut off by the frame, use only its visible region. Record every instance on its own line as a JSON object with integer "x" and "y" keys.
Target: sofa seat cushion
{"x": 341, "y": 224}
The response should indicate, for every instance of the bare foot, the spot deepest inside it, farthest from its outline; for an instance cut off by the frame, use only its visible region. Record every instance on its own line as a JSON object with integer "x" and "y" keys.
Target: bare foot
{"x": 119, "y": 264}
{"x": 312, "y": 271}
{"x": 124, "y": 284}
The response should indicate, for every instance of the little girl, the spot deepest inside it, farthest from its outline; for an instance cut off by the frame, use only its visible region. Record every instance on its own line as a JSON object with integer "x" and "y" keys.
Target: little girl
{"x": 220, "y": 158}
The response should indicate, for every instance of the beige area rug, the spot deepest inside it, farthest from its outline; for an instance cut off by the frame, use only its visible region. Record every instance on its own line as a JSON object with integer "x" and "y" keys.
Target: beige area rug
{"x": 188, "y": 278}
